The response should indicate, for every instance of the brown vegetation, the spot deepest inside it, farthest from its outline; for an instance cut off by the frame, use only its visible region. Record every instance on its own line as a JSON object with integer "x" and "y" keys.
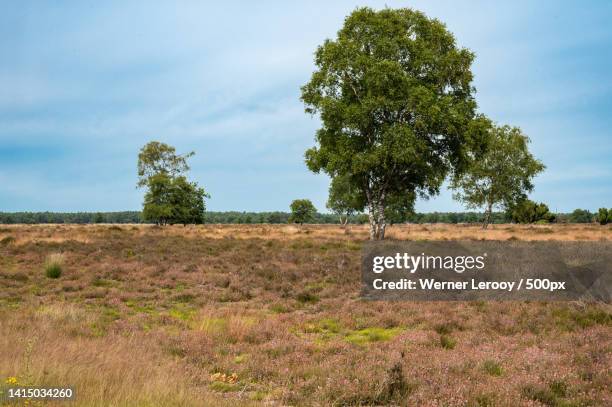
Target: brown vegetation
{"x": 271, "y": 315}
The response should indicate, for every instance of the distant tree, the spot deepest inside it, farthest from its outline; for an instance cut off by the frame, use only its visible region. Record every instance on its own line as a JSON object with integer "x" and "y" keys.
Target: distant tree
{"x": 400, "y": 208}
{"x": 173, "y": 200}
{"x": 604, "y": 216}
{"x": 527, "y": 211}
{"x": 302, "y": 211}
{"x": 187, "y": 200}
{"x": 158, "y": 199}
{"x": 394, "y": 94}
{"x": 501, "y": 175}
{"x": 160, "y": 158}
{"x": 98, "y": 218}
{"x": 170, "y": 197}
{"x": 581, "y": 216}
{"x": 344, "y": 199}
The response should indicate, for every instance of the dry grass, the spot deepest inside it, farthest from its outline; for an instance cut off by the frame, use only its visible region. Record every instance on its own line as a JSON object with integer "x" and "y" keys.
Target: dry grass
{"x": 239, "y": 315}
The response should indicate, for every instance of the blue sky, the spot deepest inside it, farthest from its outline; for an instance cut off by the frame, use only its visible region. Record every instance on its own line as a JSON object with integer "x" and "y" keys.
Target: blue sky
{"x": 85, "y": 84}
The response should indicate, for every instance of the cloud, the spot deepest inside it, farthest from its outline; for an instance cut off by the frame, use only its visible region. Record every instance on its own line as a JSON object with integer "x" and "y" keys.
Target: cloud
{"x": 86, "y": 85}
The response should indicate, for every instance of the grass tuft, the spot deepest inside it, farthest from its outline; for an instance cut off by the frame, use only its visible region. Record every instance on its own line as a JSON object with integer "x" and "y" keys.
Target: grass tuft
{"x": 7, "y": 240}
{"x": 53, "y": 265}
{"x": 493, "y": 368}
{"x": 447, "y": 342}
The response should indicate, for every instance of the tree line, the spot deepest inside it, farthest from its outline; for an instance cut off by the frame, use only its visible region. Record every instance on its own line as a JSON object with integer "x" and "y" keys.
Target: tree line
{"x": 277, "y": 217}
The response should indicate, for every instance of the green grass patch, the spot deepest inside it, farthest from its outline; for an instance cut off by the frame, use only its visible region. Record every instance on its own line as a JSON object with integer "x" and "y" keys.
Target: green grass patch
{"x": 223, "y": 387}
{"x": 213, "y": 325}
{"x": 447, "y": 342}
{"x": 53, "y": 270}
{"x": 279, "y": 309}
{"x": 306, "y": 297}
{"x": 53, "y": 265}
{"x": 182, "y": 312}
{"x": 492, "y": 368}
{"x": 568, "y": 319}
{"x": 374, "y": 334}
{"x": 554, "y": 395}
{"x": 184, "y": 298}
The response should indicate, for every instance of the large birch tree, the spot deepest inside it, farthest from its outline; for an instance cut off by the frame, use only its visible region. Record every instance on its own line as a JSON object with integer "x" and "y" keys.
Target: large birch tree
{"x": 395, "y": 97}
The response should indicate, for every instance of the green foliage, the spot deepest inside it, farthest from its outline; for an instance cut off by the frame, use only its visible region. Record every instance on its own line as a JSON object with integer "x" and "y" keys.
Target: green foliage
{"x": 302, "y": 211}
{"x": 170, "y": 198}
{"x": 306, "y": 297}
{"x": 395, "y": 99}
{"x": 235, "y": 217}
{"x": 344, "y": 199}
{"x": 500, "y": 174}
{"x": 493, "y": 368}
{"x": 581, "y": 216}
{"x": 160, "y": 158}
{"x": 98, "y": 218}
{"x": 553, "y": 395}
{"x": 173, "y": 200}
{"x": 447, "y": 342}
{"x": 67, "y": 217}
{"x": 373, "y": 334}
{"x": 53, "y": 271}
{"x": 604, "y": 216}
{"x": 400, "y": 208}
{"x": 527, "y": 211}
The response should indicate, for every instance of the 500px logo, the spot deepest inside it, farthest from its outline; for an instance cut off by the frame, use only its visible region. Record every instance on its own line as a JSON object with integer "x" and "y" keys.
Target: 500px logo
{"x": 411, "y": 263}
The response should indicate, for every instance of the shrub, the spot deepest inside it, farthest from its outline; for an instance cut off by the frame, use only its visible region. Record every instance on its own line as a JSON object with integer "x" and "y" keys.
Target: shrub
{"x": 581, "y": 216}
{"x": 53, "y": 265}
{"x": 447, "y": 342}
{"x": 528, "y": 211}
{"x": 302, "y": 211}
{"x": 493, "y": 368}
{"x": 603, "y": 216}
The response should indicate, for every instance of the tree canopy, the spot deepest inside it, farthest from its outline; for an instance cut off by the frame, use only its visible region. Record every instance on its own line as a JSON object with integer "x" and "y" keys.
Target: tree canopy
{"x": 302, "y": 211}
{"x": 501, "y": 174}
{"x": 528, "y": 211}
{"x": 160, "y": 158}
{"x": 394, "y": 94}
{"x": 170, "y": 197}
{"x": 344, "y": 199}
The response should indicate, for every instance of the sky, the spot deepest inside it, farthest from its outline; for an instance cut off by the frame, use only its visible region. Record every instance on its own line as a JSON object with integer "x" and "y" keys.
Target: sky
{"x": 85, "y": 84}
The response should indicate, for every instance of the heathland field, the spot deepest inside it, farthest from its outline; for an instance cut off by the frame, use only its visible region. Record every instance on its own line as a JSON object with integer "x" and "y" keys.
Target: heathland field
{"x": 135, "y": 315}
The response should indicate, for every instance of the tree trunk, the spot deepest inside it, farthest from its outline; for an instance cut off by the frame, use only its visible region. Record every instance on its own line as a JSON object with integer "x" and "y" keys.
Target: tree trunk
{"x": 382, "y": 222}
{"x": 487, "y": 217}
{"x": 376, "y": 216}
{"x": 372, "y": 220}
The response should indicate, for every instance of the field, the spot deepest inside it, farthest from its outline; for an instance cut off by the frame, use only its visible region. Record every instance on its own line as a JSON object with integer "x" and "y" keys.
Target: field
{"x": 271, "y": 315}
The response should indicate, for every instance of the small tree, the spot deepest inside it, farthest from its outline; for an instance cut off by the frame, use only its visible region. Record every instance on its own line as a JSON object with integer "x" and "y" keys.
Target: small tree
{"x": 160, "y": 158}
{"x": 187, "y": 201}
{"x": 604, "y": 216}
{"x": 581, "y": 216}
{"x": 400, "y": 208}
{"x": 302, "y": 211}
{"x": 157, "y": 205}
{"x": 527, "y": 211}
{"x": 170, "y": 197}
{"x": 501, "y": 175}
{"x": 344, "y": 199}
{"x": 98, "y": 218}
